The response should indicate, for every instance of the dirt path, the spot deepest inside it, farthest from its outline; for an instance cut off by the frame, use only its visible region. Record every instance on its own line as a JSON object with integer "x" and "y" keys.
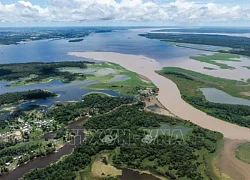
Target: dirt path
{"x": 230, "y": 165}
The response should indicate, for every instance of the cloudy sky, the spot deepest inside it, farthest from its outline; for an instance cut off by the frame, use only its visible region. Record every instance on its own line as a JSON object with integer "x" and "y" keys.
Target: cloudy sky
{"x": 124, "y": 12}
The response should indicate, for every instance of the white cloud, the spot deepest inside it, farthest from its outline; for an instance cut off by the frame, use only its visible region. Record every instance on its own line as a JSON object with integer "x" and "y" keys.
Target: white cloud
{"x": 126, "y": 10}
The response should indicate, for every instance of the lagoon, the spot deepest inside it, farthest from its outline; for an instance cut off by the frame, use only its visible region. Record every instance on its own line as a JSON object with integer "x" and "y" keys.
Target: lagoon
{"x": 217, "y": 96}
{"x": 66, "y": 91}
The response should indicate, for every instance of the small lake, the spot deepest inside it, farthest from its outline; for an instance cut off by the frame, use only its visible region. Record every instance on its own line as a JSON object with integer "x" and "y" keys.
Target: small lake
{"x": 119, "y": 78}
{"x": 78, "y": 70}
{"x": 217, "y": 96}
{"x": 128, "y": 174}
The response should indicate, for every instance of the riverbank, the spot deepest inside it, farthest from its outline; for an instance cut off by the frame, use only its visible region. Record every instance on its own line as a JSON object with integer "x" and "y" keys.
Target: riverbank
{"x": 230, "y": 164}
{"x": 169, "y": 95}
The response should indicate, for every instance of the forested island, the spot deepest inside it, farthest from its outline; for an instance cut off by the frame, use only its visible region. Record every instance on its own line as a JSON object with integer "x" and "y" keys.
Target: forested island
{"x": 39, "y": 71}
{"x": 215, "y": 30}
{"x": 15, "y": 97}
{"x": 16, "y": 36}
{"x": 239, "y": 45}
{"x": 76, "y": 40}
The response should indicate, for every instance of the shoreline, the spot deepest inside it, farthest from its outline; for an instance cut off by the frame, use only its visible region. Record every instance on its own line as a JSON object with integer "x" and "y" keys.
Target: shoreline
{"x": 169, "y": 95}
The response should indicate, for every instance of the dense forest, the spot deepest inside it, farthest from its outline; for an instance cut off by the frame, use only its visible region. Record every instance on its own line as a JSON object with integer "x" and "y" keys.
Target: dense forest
{"x": 40, "y": 71}
{"x": 91, "y": 104}
{"x": 207, "y": 30}
{"x": 239, "y": 45}
{"x": 15, "y": 36}
{"x": 172, "y": 158}
{"x": 14, "y": 97}
{"x": 189, "y": 87}
{"x": 26, "y": 151}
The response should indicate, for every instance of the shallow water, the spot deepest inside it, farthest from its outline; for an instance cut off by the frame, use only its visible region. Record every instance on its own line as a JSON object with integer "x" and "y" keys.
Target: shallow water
{"x": 80, "y": 71}
{"x": 119, "y": 78}
{"x": 106, "y": 71}
{"x": 218, "y": 96}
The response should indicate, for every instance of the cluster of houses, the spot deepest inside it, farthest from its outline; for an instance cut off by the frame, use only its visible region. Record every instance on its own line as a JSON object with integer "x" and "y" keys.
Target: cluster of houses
{"x": 146, "y": 92}
{"x": 44, "y": 122}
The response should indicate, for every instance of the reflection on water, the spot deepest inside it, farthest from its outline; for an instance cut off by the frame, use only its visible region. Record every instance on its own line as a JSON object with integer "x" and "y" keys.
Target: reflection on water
{"x": 79, "y": 71}
{"x": 218, "y": 96}
{"x": 126, "y": 41}
{"x": 119, "y": 78}
{"x": 128, "y": 174}
{"x": 66, "y": 91}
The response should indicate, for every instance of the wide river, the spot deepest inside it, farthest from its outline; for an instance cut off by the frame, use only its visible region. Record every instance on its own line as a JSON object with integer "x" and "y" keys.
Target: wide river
{"x": 125, "y": 41}
{"x": 122, "y": 41}
{"x": 128, "y": 43}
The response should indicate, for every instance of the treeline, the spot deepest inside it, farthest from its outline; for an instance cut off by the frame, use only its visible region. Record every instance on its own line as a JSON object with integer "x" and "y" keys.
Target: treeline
{"x": 237, "y": 114}
{"x": 9, "y": 98}
{"x": 40, "y": 71}
{"x": 91, "y": 104}
{"x": 34, "y": 34}
{"x": 172, "y": 158}
{"x": 239, "y": 45}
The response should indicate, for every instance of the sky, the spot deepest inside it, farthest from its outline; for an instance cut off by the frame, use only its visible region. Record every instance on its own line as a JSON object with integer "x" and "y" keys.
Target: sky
{"x": 125, "y": 13}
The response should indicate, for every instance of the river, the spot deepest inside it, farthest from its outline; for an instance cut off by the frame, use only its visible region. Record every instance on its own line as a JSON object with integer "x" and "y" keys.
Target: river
{"x": 44, "y": 161}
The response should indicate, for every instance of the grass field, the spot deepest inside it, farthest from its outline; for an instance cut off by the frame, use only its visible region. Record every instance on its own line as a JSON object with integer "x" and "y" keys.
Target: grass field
{"x": 243, "y": 152}
{"x": 211, "y": 59}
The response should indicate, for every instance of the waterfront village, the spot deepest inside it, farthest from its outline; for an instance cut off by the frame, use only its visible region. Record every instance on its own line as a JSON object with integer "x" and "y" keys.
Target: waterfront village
{"x": 31, "y": 126}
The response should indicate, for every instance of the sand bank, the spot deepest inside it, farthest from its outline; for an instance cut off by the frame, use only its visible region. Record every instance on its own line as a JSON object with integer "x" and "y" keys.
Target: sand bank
{"x": 230, "y": 165}
{"x": 169, "y": 94}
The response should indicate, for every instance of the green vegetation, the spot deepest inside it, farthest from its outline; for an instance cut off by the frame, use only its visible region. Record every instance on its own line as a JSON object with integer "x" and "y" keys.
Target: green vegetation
{"x": 243, "y": 152}
{"x": 189, "y": 83}
{"x": 25, "y": 73}
{"x": 128, "y": 87}
{"x": 91, "y": 104}
{"x": 248, "y": 67}
{"x": 19, "y": 153}
{"x": 238, "y": 45}
{"x": 170, "y": 157}
{"x": 9, "y": 98}
{"x": 209, "y": 68}
{"x": 211, "y": 59}
{"x": 15, "y": 36}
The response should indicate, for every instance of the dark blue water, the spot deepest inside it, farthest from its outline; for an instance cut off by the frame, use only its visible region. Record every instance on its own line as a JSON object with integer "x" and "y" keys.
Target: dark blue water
{"x": 122, "y": 41}
{"x": 66, "y": 91}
